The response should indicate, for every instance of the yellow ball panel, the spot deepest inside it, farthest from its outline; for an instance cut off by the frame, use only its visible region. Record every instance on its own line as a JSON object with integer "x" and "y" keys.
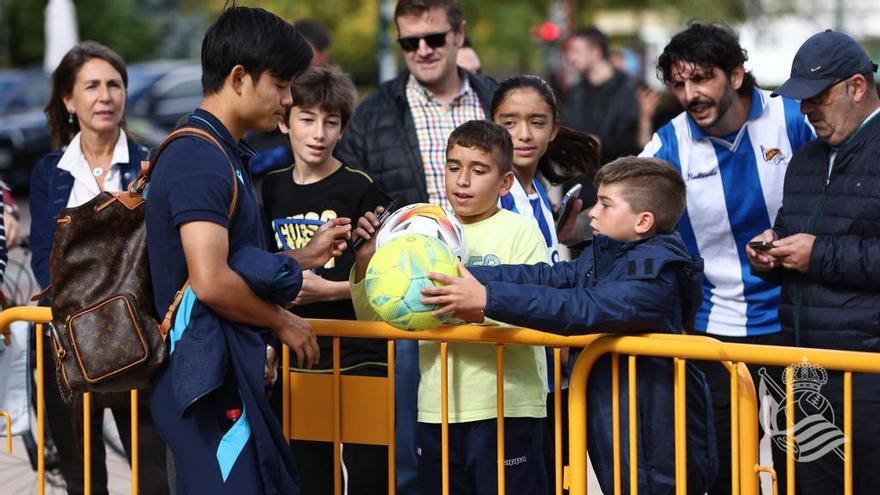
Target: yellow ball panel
{"x": 396, "y": 275}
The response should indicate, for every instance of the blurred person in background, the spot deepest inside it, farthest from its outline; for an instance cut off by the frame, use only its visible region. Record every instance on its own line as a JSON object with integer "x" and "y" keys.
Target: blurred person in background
{"x": 608, "y": 103}
{"x": 398, "y": 136}
{"x": 319, "y": 39}
{"x": 732, "y": 145}
{"x": 94, "y": 153}
{"x": 468, "y": 59}
{"x": 10, "y": 216}
{"x": 604, "y": 102}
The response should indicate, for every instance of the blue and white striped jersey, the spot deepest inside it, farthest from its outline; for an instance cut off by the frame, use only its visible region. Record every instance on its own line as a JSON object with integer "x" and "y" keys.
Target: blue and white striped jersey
{"x": 734, "y": 191}
{"x": 536, "y": 206}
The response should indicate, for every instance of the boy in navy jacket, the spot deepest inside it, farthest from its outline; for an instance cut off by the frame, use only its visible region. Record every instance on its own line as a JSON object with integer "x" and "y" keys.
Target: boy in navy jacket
{"x": 637, "y": 276}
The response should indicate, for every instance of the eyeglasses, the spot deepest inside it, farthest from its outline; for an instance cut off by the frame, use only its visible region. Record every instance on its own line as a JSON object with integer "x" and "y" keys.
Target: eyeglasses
{"x": 823, "y": 97}
{"x": 433, "y": 40}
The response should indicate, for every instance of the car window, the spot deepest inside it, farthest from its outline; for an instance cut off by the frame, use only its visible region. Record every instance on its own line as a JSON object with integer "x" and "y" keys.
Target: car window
{"x": 36, "y": 93}
{"x": 184, "y": 89}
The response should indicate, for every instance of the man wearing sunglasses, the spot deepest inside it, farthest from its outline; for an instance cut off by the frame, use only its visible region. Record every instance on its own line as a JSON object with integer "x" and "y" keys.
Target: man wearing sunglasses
{"x": 826, "y": 249}
{"x": 398, "y": 135}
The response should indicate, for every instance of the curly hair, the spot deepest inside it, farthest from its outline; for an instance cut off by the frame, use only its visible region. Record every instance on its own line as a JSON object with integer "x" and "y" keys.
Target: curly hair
{"x": 706, "y": 46}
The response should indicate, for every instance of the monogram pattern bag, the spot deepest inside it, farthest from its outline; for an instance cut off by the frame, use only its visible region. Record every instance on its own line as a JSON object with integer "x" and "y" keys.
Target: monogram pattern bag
{"x": 105, "y": 333}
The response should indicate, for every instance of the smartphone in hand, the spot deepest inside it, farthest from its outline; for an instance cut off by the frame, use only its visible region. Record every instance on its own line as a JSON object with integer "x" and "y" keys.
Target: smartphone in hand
{"x": 761, "y": 245}
{"x": 389, "y": 209}
{"x": 565, "y": 204}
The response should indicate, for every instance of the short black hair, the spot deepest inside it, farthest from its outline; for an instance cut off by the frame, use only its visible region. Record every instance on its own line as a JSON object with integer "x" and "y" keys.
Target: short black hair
{"x": 487, "y": 137}
{"x": 315, "y": 32}
{"x": 594, "y": 37}
{"x": 648, "y": 184}
{"x": 326, "y": 87}
{"x": 256, "y": 39}
{"x": 706, "y": 46}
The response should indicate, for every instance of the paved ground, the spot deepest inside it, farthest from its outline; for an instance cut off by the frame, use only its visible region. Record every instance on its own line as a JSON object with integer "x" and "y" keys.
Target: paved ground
{"x": 18, "y": 478}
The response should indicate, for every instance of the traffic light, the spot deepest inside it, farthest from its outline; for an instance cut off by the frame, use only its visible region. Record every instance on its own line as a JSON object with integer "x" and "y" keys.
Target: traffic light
{"x": 547, "y": 31}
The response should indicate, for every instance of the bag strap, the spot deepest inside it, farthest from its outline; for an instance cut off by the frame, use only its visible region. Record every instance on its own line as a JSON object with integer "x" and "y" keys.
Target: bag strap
{"x": 144, "y": 178}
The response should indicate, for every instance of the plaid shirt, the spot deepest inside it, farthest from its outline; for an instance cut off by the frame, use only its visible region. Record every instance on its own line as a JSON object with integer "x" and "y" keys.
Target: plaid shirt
{"x": 434, "y": 124}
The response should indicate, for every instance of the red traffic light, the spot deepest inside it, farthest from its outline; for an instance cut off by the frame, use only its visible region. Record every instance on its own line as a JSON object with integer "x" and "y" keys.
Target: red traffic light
{"x": 549, "y": 31}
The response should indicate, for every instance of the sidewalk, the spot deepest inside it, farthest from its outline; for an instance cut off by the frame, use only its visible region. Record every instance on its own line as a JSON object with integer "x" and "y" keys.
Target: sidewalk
{"x": 17, "y": 477}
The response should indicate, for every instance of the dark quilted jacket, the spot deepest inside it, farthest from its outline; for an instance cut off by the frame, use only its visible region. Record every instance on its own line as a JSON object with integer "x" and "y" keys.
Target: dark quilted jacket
{"x": 381, "y": 138}
{"x": 841, "y": 292}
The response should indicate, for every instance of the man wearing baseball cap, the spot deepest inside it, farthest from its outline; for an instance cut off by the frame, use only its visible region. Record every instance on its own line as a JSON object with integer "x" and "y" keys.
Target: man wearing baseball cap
{"x": 826, "y": 253}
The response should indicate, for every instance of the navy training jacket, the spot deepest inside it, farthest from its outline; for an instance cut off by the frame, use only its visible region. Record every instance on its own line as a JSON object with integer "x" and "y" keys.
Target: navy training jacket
{"x": 837, "y": 303}
{"x": 621, "y": 287}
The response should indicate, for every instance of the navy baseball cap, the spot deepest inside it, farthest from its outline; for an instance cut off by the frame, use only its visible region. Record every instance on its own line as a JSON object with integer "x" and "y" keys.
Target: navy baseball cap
{"x": 822, "y": 60}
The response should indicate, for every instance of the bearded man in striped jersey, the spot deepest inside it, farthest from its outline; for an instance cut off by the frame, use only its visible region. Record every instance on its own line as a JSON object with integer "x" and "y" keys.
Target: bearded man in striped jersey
{"x": 731, "y": 145}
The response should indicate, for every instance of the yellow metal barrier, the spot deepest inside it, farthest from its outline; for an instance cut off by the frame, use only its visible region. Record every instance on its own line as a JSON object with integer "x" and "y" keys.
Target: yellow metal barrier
{"x": 744, "y": 415}
{"x": 8, "y": 420}
{"x": 357, "y": 424}
{"x": 312, "y": 425}
{"x": 41, "y": 316}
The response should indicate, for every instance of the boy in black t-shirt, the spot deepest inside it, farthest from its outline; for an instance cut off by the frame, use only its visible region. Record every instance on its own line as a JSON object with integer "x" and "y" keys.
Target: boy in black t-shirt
{"x": 297, "y": 200}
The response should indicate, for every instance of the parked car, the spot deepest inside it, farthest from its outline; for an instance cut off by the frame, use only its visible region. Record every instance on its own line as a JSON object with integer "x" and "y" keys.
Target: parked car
{"x": 159, "y": 94}
{"x": 23, "y": 140}
{"x": 22, "y": 90}
{"x": 172, "y": 96}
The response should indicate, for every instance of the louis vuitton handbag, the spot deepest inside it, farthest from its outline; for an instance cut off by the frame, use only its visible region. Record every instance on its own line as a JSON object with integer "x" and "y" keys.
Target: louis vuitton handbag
{"x": 105, "y": 331}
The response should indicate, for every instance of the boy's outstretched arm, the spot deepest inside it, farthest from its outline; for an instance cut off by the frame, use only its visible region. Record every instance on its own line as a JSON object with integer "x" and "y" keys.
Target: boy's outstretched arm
{"x": 621, "y": 306}
{"x": 561, "y": 274}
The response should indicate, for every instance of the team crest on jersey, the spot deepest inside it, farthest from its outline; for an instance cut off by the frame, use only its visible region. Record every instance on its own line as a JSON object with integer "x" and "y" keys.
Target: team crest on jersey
{"x": 773, "y": 155}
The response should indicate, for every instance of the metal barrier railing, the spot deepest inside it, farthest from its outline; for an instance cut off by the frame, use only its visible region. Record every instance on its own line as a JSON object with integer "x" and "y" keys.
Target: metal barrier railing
{"x": 682, "y": 348}
{"x": 499, "y": 336}
{"x": 519, "y": 336}
{"x": 41, "y": 316}
{"x": 8, "y": 421}
{"x": 744, "y": 466}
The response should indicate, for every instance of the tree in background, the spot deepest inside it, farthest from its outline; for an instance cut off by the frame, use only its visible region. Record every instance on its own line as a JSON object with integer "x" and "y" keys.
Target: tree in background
{"x": 122, "y": 24}
{"x": 499, "y": 29}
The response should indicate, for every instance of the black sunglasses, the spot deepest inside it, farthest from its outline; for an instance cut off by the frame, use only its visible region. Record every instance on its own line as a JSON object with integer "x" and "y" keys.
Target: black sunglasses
{"x": 434, "y": 40}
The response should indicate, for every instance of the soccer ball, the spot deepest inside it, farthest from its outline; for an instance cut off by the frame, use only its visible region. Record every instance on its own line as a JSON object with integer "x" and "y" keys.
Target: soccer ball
{"x": 398, "y": 272}
{"x": 426, "y": 219}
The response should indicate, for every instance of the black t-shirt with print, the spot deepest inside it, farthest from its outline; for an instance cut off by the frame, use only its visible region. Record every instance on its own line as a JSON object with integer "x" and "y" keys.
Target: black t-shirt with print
{"x": 294, "y": 212}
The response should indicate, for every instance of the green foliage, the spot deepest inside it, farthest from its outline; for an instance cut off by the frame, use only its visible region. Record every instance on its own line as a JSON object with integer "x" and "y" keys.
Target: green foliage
{"x": 22, "y": 25}
{"x": 354, "y": 24}
{"x": 500, "y": 30}
{"x": 119, "y": 24}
